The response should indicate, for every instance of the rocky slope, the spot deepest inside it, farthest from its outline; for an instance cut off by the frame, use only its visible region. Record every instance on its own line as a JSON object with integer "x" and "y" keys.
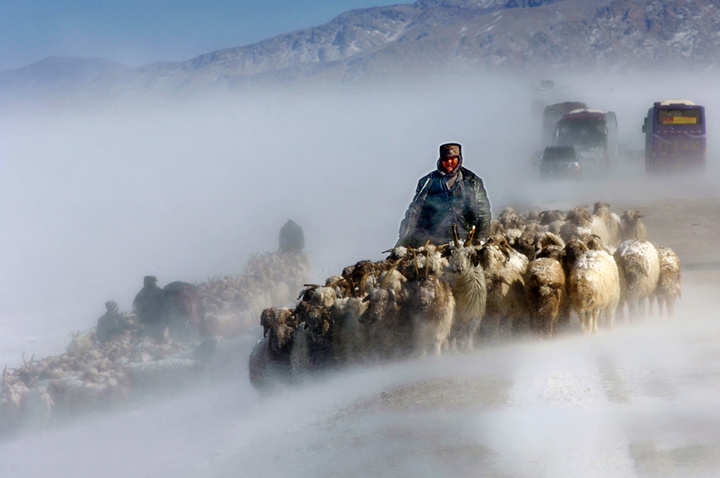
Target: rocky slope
{"x": 424, "y": 38}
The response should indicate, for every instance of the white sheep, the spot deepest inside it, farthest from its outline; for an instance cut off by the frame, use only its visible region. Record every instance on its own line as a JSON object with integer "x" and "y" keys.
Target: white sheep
{"x": 639, "y": 268}
{"x": 611, "y": 220}
{"x": 467, "y": 281}
{"x": 594, "y": 289}
{"x": 579, "y": 222}
{"x": 669, "y": 280}
{"x": 385, "y": 327}
{"x": 505, "y": 304}
{"x": 632, "y": 227}
{"x": 431, "y": 306}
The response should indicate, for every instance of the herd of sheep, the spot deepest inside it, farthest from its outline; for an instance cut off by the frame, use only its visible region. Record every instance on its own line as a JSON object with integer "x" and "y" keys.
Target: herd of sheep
{"x": 99, "y": 373}
{"x": 540, "y": 273}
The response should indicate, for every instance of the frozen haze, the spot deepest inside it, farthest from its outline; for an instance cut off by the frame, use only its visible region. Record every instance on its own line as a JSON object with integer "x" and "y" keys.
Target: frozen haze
{"x": 94, "y": 199}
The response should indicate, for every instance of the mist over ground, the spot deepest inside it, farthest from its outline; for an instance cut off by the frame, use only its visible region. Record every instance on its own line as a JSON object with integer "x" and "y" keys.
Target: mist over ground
{"x": 93, "y": 199}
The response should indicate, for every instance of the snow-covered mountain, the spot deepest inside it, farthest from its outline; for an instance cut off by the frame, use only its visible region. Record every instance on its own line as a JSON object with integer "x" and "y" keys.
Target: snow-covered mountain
{"x": 424, "y": 38}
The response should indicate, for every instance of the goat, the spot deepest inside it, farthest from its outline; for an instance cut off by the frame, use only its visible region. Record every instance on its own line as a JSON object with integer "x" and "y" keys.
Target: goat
{"x": 430, "y": 306}
{"x": 467, "y": 281}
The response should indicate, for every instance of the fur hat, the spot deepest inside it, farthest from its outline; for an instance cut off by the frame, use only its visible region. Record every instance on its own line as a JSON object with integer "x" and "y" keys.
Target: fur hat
{"x": 450, "y": 149}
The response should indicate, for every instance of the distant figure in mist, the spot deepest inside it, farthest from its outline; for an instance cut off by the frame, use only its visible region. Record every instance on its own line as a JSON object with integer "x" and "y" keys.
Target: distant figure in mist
{"x": 449, "y": 195}
{"x": 184, "y": 312}
{"x": 111, "y": 324}
{"x": 178, "y": 307}
{"x": 292, "y": 238}
{"x": 149, "y": 305}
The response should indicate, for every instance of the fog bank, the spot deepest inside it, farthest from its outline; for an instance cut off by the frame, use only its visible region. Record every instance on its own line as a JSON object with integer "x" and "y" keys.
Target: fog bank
{"x": 93, "y": 199}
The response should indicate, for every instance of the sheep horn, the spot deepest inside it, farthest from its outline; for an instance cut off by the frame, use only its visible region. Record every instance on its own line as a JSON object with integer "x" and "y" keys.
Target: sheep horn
{"x": 470, "y": 237}
{"x": 383, "y": 284}
{"x": 455, "y": 235}
{"x": 417, "y": 272}
{"x": 363, "y": 279}
{"x": 351, "y": 285}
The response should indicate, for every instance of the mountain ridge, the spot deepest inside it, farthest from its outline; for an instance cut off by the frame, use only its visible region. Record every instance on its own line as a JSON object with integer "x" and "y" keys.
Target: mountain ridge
{"x": 422, "y": 38}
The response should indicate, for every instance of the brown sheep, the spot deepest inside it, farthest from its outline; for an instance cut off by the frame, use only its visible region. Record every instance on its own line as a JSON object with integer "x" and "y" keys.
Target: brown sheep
{"x": 545, "y": 294}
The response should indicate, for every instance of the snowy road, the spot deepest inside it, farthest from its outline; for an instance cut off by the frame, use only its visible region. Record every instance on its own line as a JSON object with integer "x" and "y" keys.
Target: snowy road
{"x": 638, "y": 401}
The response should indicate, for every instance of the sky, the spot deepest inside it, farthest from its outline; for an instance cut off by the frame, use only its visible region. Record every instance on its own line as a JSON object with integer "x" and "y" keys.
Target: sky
{"x": 138, "y": 32}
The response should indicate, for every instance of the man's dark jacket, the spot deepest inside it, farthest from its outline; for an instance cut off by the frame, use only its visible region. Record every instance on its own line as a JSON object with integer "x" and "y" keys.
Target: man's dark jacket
{"x": 435, "y": 208}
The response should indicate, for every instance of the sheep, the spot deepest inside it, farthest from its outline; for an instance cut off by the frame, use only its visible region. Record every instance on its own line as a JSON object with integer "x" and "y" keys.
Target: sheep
{"x": 357, "y": 276}
{"x": 594, "y": 289}
{"x": 312, "y": 347}
{"x": 502, "y": 255}
{"x": 510, "y": 219}
{"x": 430, "y": 305}
{"x": 611, "y": 220}
{"x": 270, "y": 357}
{"x": 323, "y": 296}
{"x": 568, "y": 255}
{"x": 505, "y": 302}
{"x": 639, "y": 268}
{"x": 548, "y": 217}
{"x": 525, "y": 244}
{"x": 278, "y": 326}
{"x": 496, "y": 228}
{"x": 545, "y": 294}
{"x": 387, "y": 330}
{"x": 513, "y": 224}
{"x": 422, "y": 301}
{"x": 579, "y": 221}
{"x": 348, "y": 344}
{"x": 467, "y": 281}
{"x": 668, "y": 286}
{"x": 632, "y": 227}
{"x": 532, "y": 215}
